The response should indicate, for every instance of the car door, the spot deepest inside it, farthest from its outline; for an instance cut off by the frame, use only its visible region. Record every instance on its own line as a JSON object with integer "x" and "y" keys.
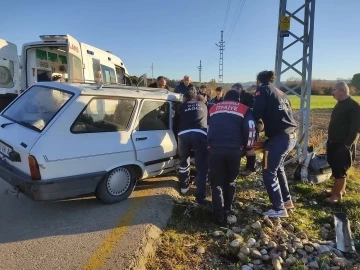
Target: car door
{"x": 153, "y": 137}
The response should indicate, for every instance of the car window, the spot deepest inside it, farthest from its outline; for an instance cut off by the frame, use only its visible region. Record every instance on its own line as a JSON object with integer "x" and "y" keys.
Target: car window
{"x": 37, "y": 106}
{"x": 104, "y": 115}
{"x": 154, "y": 115}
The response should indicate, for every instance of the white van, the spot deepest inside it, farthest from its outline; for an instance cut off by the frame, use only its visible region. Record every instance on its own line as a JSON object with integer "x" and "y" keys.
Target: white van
{"x": 56, "y": 55}
{"x": 64, "y": 140}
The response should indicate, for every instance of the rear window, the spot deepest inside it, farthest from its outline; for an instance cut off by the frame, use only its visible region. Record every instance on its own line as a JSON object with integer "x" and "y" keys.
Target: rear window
{"x": 37, "y": 106}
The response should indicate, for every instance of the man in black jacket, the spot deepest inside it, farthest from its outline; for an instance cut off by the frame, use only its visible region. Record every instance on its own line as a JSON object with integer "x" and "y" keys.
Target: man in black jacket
{"x": 248, "y": 100}
{"x": 231, "y": 132}
{"x": 184, "y": 85}
{"x": 160, "y": 83}
{"x": 218, "y": 98}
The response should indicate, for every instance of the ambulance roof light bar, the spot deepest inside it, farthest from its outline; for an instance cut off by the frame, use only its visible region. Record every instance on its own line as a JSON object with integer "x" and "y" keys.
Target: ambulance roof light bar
{"x": 54, "y": 37}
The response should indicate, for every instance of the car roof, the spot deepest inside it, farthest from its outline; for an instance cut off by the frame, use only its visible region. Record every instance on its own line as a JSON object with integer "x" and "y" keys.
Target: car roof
{"x": 114, "y": 90}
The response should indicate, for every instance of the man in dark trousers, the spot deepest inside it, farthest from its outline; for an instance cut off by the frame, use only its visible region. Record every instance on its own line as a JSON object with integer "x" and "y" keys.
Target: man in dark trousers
{"x": 192, "y": 134}
{"x": 184, "y": 85}
{"x": 342, "y": 138}
{"x": 160, "y": 83}
{"x": 231, "y": 132}
{"x": 273, "y": 107}
{"x": 218, "y": 98}
{"x": 248, "y": 100}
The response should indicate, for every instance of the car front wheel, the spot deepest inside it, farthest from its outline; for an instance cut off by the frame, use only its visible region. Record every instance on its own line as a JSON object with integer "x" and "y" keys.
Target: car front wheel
{"x": 116, "y": 186}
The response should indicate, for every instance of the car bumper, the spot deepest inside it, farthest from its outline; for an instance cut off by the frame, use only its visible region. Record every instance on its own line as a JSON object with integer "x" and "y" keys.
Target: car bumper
{"x": 52, "y": 189}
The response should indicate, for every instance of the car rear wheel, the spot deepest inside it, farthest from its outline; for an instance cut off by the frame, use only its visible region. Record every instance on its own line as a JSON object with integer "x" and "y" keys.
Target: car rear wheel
{"x": 116, "y": 186}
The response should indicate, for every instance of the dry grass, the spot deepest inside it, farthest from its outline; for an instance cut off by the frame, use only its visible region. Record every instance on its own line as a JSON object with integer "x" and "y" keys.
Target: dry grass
{"x": 185, "y": 233}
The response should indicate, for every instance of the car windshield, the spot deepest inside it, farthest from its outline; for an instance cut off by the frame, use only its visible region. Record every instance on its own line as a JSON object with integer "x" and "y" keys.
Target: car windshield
{"x": 37, "y": 106}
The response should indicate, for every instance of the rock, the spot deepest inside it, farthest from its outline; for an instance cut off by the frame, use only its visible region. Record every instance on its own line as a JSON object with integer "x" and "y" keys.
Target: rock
{"x": 237, "y": 236}
{"x": 291, "y": 250}
{"x": 261, "y": 200}
{"x": 268, "y": 222}
{"x": 218, "y": 233}
{"x": 266, "y": 257}
{"x": 337, "y": 252}
{"x": 313, "y": 265}
{"x": 309, "y": 248}
{"x": 256, "y": 225}
{"x": 255, "y": 254}
{"x": 284, "y": 255}
{"x": 230, "y": 233}
{"x": 247, "y": 227}
{"x": 238, "y": 204}
{"x": 327, "y": 226}
{"x": 271, "y": 244}
{"x": 294, "y": 198}
{"x": 257, "y": 245}
{"x": 340, "y": 262}
{"x": 200, "y": 250}
{"x": 290, "y": 261}
{"x": 301, "y": 252}
{"x": 322, "y": 249}
{"x": 304, "y": 261}
{"x": 276, "y": 264}
{"x": 302, "y": 235}
{"x": 246, "y": 267}
{"x": 263, "y": 242}
{"x": 298, "y": 245}
{"x": 335, "y": 268}
{"x": 250, "y": 208}
{"x": 251, "y": 242}
{"x": 245, "y": 250}
{"x": 281, "y": 247}
{"x": 231, "y": 219}
{"x": 257, "y": 262}
{"x": 263, "y": 251}
{"x": 290, "y": 228}
{"x": 236, "y": 229}
{"x": 242, "y": 257}
{"x": 236, "y": 243}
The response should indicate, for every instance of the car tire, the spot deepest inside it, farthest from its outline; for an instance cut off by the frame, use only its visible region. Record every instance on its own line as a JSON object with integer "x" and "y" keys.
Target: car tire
{"x": 116, "y": 185}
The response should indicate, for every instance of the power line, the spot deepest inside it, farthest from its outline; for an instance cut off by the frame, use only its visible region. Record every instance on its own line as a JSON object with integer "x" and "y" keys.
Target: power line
{"x": 236, "y": 18}
{"x": 226, "y": 14}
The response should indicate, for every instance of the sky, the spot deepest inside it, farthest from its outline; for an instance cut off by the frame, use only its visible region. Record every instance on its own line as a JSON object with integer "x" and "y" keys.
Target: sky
{"x": 176, "y": 35}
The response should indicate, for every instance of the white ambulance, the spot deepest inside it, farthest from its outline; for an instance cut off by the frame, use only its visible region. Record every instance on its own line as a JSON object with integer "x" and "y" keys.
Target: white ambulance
{"x": 56, "y": 57}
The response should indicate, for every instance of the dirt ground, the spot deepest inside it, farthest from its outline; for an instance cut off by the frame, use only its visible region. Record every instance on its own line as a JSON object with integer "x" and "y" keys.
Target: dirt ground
{"x": 319, "y": 121}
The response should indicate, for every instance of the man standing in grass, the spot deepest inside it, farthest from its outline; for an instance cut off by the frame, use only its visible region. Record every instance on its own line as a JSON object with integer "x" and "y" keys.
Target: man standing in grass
{"x": 342, "y": 138}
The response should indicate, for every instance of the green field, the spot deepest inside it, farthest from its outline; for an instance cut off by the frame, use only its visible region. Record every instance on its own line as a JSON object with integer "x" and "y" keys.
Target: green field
{"x": 317, "y": 102}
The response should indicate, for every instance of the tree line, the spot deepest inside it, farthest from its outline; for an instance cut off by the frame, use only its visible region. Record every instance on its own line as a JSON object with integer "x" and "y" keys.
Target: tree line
{"x": 318, "y": 87}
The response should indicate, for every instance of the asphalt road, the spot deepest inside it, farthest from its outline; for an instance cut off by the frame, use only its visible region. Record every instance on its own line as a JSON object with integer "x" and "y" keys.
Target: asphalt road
{"x": 83, "y": 233}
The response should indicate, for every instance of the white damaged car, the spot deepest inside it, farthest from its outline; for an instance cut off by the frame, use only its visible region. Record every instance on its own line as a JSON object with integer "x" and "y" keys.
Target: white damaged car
{"x": 60, "y": 141}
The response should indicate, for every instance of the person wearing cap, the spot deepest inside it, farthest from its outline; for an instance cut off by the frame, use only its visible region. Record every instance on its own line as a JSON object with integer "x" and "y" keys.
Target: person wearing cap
{"x": 274, "y": 108}
{"x": 192, "y": 135}
{"x": 160, "y": 83}
{"x": 248, "y": 100}
{"x": 203, "y": 93}
{"x": 218, "y": 98}
{"x": 231, "y": 132}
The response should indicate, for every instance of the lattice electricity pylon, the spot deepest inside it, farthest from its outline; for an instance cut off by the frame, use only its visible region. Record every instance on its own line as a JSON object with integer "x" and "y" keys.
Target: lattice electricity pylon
{"x": 221, "y": 60}
{"x": 306, "y": 60}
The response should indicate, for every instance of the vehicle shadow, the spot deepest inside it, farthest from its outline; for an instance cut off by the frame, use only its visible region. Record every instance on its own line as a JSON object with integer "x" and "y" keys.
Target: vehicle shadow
{"x": 24, "y": 219}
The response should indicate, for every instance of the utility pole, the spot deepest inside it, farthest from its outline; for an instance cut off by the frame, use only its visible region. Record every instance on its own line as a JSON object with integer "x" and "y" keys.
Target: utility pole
{"x": 221, "y": 61}
{"x": 200, "y": 69}
{"x": 152, "y": 72}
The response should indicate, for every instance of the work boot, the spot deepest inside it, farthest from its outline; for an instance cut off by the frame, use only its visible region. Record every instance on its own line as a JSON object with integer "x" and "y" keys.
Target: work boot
{"x": 250, "y": 166}
{"x": 338, "y": 188}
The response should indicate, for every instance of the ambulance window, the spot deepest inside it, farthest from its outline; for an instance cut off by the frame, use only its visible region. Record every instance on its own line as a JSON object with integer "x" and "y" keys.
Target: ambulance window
{"x": 76, "y": 71}
{"x": 108, "y": 74}
{"x": 6, "y": 73}
{"x": 154, "y": 115}
{"x": 104, "y": 115}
